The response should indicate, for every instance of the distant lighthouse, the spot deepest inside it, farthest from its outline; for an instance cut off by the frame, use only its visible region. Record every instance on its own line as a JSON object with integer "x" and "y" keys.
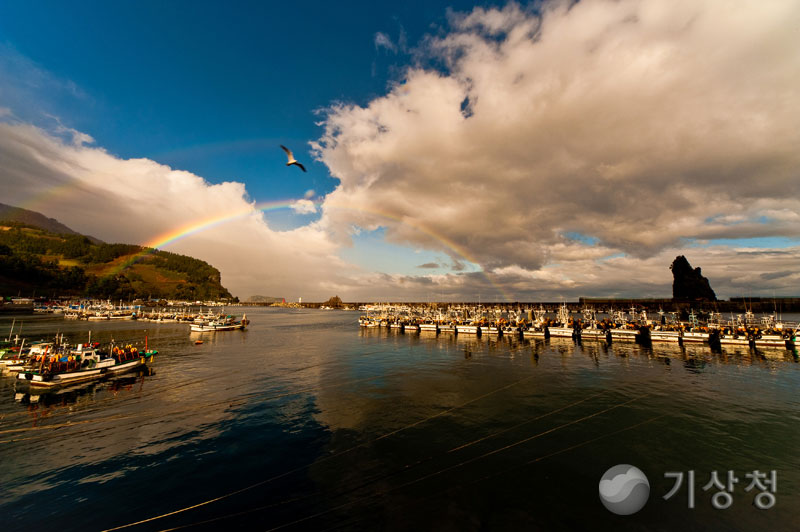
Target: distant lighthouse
{"x": 300, "y": 300}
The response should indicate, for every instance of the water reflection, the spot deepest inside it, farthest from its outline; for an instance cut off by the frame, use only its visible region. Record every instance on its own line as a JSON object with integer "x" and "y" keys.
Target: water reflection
{"x": 82, "y": 393}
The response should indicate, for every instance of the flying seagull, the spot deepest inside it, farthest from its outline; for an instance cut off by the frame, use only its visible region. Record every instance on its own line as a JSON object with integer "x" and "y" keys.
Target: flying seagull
{"x": 292, "y": 160}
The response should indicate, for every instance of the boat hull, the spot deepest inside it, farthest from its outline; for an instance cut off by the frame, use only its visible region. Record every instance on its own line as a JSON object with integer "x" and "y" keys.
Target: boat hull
{"x": 665, "y": 336}
{"x": 37, "y": 380}
{"x": 694, "y": 337}
{"x": 215, "y": 328}
{"x": 534, "y": 333}
{"x": 561, "y": 332}
{"x": 626, "y": 335}
{"x": 730, "y": 341}
{"x": 775, "y": 342}
{"x": 593, "y": 334}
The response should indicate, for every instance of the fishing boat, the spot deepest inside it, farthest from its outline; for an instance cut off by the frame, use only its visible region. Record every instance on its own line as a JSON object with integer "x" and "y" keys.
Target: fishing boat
{"x": 538, "y": 327}
{"x": 411, "y": 327}
{"x": 429, "y": 325}
{"x": 85, "y": 363}
{"x": 468, "y": 328}
{"x": 592, "y": 330}
{"x": 446, "y": 327}
{"x": 628, "y": 330}
{"x": 491, "y": 328}
{"x": 227, "y": 323}
{"x": 772, "y": 334}
{"x": 565, "y": 328}
{"x": 663, "y": 333}
{"x": 667, "y": 331}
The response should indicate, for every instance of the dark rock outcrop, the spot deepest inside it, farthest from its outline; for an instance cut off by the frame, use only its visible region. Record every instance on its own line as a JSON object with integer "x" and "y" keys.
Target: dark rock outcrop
{"x": 688, "y": 283}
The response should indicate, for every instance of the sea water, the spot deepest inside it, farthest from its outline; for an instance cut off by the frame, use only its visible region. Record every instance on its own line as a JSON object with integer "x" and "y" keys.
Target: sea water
{"x": 307, "y": 422}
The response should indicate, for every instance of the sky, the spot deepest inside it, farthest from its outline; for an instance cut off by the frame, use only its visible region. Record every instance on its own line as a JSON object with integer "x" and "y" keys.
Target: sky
{"x": 455, "y": 151}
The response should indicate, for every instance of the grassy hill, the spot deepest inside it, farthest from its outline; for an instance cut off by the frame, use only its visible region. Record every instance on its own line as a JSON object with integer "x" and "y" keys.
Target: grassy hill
{"x": 9, "y": 213}
{"x": 40, "y": 261}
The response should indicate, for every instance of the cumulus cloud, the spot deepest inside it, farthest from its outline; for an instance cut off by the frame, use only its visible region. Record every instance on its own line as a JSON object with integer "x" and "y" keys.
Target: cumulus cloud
{"x": 637, "y": 124}
{"x": 304, "y": 206}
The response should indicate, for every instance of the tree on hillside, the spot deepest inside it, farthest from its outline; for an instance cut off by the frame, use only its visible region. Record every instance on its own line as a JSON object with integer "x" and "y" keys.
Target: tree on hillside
{"x": 334, "y": 302}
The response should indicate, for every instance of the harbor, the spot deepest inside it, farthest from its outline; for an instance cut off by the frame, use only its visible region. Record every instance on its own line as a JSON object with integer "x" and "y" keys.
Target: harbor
{"x": 769, "y": 331}
{"x": 371, "y": 428}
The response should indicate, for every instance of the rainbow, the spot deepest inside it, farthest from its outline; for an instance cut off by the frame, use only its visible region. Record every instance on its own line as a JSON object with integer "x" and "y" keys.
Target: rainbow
{"x": 197, "y": 226}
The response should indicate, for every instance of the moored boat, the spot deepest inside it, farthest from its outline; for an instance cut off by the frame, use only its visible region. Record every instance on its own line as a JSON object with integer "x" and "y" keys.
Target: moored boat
{"x": 225, "y": 324}
{"x": 84, "y": 363}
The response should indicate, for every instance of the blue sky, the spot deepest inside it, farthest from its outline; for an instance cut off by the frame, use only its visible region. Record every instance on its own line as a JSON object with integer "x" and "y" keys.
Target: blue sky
{"x": 213, "y": 87}
{"x": 599, "y": 143}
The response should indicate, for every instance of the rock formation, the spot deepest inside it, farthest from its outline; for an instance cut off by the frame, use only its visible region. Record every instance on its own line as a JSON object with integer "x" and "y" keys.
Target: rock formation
{"x": 688, "y": 283}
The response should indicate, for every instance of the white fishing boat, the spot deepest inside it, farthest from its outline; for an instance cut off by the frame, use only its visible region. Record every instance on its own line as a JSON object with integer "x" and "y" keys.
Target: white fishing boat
{"x": 592, "y": 331}
{"x": 666, "y": 330}
{"x": 627, "y": 332}
{"x": 693, "y": 333}
{"x": 763, "y": 341}
{"x": 734, "y": 340}
{"x": 538, "y": 328}
{"x": 468, "y": 328}
{"x": 225, "y": 324}
{"x": 564, "y": 329}
{"x": 429, "y": 326}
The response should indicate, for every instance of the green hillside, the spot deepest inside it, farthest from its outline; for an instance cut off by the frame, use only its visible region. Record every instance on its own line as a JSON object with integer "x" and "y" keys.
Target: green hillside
{"x": 35, "y": 261}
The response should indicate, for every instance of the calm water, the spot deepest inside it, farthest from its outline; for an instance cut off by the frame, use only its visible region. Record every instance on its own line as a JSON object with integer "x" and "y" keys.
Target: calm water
{"x": 306, "y": 422}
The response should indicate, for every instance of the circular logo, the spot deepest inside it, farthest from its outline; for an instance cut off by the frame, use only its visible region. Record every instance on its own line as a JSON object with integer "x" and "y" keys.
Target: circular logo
{"x": 624, "y": 489}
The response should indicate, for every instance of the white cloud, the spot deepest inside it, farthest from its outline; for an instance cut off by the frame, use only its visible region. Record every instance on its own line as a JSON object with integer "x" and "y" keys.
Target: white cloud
{"x": 382, "y": 40}
{"x": 304, "y": 206}
{"x": 141, "y": 201}
{"x": 636, "y": 123}
{"x": 310, "y": 193}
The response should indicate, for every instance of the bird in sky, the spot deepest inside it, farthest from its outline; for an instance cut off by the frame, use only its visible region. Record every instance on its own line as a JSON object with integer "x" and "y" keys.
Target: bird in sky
{"x": 292, "y": 160}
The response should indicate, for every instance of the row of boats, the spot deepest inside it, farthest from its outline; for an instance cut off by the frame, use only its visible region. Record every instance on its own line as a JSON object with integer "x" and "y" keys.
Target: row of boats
{"x": 157, "y": 316}
{"x": 56, "y": 363}
{"x": 740, "y": 331}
